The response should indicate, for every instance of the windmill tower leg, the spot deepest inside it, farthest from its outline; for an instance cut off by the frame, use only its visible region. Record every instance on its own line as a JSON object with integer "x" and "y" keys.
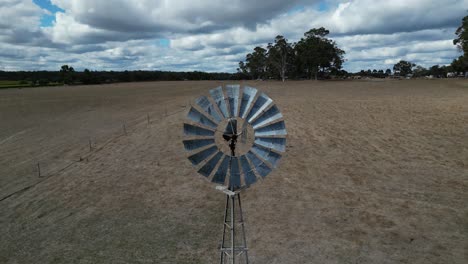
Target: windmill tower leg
{"x": 234, "y": 250}
{"x": 233, "y": 230}
{"x": 243, "y": 230}
{"x": 221, "y": 252}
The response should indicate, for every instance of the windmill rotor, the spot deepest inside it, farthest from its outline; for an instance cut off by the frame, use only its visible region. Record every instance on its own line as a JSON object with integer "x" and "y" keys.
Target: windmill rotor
{"x": 236, "y": 123}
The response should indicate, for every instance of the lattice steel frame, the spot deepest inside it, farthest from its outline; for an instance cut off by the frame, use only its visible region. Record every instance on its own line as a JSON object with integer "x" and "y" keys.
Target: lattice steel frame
{"x": 233, "y": 251}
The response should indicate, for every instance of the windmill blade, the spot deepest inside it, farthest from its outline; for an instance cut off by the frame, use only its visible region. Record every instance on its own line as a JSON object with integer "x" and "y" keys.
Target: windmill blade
{"x": 278, "y": 144}
{"x": 244, "y": 132}
{"x": 275, "y": 129}
{"x": 197, "y": 158}
{"x": 199, "y": 118}
{"x": 232, "y": 92}
{"x": 218, "y": 96}
{"x": 191, "y": 130}
{"x": 262, "y": 102}
{"x": 208, "y": 107}
{"x": 266, "y": 117}
{"x": 210, "y": 165}
{"x": 248, "y": 95}
{"x": 197, "y": 143}
{"x": 249, "y": 175}
{"x": 266, "y": 154}
{"x": 260, "y": 167}
{"x": 221, "y": 173}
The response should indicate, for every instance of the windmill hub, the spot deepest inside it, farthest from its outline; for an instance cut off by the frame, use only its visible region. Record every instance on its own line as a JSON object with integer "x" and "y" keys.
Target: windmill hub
{"x": 234, "y": 136}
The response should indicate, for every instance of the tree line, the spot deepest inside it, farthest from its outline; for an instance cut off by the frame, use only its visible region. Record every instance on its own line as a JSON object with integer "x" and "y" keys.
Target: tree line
{"x": 68, "y": 75}
{"x": 406, "y": 68}
{"x": 313, "y": 56}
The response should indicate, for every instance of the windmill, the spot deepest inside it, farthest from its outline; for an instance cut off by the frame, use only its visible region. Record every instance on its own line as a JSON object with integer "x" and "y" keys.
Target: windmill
{"x": 234, "y": 137}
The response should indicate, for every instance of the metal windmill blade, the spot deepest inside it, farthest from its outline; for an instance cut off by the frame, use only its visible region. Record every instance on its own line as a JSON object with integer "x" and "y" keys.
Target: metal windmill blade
{"x": 232, "y": 92}
{"x": 243, "y": 132}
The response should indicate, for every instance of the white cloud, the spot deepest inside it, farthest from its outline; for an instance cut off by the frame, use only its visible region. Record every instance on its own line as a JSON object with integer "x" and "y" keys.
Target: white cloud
{"x": 19, "y": 21}
{"x": 369, "y": 16}
{"x": 175, "y": 16}
{"x": 24, "y": 14}
{"x": 214, "y": 35}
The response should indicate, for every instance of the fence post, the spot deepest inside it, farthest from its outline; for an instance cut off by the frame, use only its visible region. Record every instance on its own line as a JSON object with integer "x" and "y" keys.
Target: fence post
{"x": 124, "y": 129}
{"x": 38, "y": 169}
{"x": 90, "y": 145}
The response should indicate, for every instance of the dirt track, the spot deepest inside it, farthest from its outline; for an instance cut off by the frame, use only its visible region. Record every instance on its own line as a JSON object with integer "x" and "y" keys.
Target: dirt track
{"x": 375, "y": 172}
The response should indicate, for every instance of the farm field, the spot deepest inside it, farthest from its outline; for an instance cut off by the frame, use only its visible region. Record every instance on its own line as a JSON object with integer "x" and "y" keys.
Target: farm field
{"x": 10, "y": 84}
{"x": 4, "y": 84}
{"x": 375, "y": 172}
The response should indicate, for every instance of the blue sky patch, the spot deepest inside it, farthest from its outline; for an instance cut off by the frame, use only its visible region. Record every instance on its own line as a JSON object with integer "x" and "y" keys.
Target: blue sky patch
{"x": 296, "y": 9}
{"x": 47, "y": 20}
{"x": 163, "y": 42}
{"x": 323, "y": 6}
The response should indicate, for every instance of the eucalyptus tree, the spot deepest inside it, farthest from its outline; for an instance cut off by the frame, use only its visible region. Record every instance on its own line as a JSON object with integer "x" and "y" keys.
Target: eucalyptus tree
{"x": 315, "y": 53}
{"x": 256, "y": 63}
{"x": 461, "y": 63}
{"x": 280, "y": 56}
{"x": 462, "y": 36}
{"x": 403, "y": 67}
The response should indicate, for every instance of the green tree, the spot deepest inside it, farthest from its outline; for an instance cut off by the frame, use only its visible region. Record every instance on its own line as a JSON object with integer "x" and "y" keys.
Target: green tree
{"x": 420, "y": 71}
{"x": 403, "y": 67}
{"x": 461, "y": 64}
{"x": 87, "y": 78}
{"x": 67, "y": 74}
{"x": 381, "y": 73}
{"x": 242, "y": 68}
{"x": 256, "y": 63}
{"x": 388, "y": 72}
{"x": 242, "y": 71}
{"x": 440, "y": 71}
{"x": 462, "y": 36}
{"x": 315, "y": 53}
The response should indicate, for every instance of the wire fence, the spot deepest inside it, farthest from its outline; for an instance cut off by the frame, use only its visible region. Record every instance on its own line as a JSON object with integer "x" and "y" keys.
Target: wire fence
{"x": 45, "y": 170}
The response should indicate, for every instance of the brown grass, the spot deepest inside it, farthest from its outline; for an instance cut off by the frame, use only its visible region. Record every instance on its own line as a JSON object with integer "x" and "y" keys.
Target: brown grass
{"x": 375, "y": 172}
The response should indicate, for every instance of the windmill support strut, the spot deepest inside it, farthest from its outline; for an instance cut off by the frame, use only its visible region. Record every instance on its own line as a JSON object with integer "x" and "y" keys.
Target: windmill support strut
{"x": 234, "y": 245}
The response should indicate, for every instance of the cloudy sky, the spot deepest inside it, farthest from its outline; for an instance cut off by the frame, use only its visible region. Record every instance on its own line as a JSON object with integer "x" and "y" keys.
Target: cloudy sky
{"x": 213, "y": 35}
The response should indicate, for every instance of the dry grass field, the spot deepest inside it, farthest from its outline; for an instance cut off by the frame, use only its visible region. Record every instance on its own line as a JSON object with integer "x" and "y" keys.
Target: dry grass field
{"x": 375, "y": 172}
